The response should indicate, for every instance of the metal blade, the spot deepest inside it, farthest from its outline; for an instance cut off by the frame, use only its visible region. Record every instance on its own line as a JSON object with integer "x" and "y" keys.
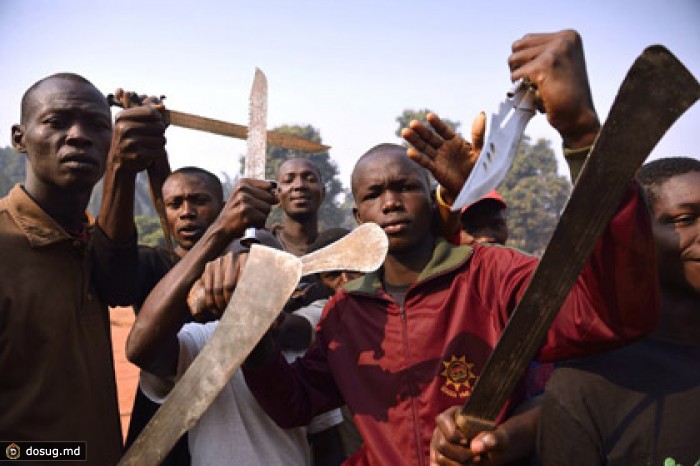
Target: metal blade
{"x": 505, "y": 129}
{"x": 257, "y": 129}
{"x": 249, "y": 314}
{"x": 224, "y": 128}
{"x": 656, "y": 91}
{"x": 362, "y": 250}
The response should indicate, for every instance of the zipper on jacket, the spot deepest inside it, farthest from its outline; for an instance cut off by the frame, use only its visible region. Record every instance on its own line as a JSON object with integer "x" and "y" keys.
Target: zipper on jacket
{"x": 414, "y": 408}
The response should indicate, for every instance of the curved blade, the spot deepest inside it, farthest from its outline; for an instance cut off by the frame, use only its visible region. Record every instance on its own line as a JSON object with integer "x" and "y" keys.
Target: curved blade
{"x": 505, "y": 129}
{"x": 362, "y": 250}
{"x": 249, "y": 314}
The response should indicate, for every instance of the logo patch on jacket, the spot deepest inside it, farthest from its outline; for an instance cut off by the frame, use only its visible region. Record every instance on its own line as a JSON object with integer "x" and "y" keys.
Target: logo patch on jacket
{"x": 459, "y": 378}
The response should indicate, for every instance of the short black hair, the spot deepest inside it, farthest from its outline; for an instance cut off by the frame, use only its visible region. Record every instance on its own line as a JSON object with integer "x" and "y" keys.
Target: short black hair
{"x": 327, "y": 237}
{"x": 654, "y": 174}
{"x": 26, "y": 97}
{"x": 212, "y": 178}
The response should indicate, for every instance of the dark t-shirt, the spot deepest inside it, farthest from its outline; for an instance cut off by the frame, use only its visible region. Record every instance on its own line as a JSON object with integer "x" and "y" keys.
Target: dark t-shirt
{"x": 636, "y": 406}
{"x": 154, "y": 263}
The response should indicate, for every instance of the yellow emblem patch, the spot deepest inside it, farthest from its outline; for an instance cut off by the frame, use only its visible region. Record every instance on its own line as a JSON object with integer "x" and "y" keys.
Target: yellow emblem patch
{"x": 459, "y": 378}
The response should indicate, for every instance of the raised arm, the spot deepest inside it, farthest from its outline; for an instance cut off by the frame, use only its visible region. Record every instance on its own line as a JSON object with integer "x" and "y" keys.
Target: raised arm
{"x": 152, "y": 343}
{"x": 137, "y": 142}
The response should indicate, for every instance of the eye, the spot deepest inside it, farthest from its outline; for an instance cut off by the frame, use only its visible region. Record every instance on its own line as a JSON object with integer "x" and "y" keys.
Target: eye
{"x": 56, "y": 121}
{"x": 200, "y": 200}
{"x": 684, "y": 220}
{"x": 100, "y": 123}
{"x": 173, "y": 203}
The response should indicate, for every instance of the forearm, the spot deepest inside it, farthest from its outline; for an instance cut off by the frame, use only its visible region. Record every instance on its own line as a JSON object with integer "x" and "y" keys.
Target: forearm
{"x": 116, "y": 216}
{"x": 152, "y": 343}
{"x": 301, "y": 390}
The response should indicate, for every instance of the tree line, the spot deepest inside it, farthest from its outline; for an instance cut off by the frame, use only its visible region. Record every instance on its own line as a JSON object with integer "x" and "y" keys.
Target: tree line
{"x": 533, "y": 190}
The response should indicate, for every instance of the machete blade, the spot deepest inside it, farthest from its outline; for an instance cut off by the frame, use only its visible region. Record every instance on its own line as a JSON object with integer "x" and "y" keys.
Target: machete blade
{"x": 249, "y": 314}
{"x": 362, "y": 250}
{"x": 656, "y": 91}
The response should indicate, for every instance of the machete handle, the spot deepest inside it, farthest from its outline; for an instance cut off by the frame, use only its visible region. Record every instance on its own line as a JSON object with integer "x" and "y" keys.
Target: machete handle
{"x": 471, "y": 426}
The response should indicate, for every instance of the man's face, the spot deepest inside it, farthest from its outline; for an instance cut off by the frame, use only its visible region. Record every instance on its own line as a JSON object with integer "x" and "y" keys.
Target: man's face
{"x": 676, "y": 227}
{"x": 485, "y": 223}
{"x": 393, "y": 192}
{"x": 191, "y": 205}
{"x": 66, "y": 135}
{"x": 300, "y": 189}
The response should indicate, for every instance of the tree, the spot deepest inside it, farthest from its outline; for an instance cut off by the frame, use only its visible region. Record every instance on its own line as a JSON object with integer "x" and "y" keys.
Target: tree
{"x": 409, "y": 114}
{"x": 12, "y": 169}
{"x": 331, "y": 213}
{"x": 535, "y": 195}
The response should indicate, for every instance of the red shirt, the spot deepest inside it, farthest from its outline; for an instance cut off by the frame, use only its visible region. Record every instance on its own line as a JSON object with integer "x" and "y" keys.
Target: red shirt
{"x": 397, "y": 367}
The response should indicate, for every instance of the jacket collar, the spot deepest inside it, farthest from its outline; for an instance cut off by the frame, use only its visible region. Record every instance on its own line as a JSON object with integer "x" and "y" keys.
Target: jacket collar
{"x": 36, "y": 225}
{"x": 445, "y": 258}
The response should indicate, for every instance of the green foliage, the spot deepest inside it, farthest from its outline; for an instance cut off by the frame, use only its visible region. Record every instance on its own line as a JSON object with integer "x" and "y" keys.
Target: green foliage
{"x": 535, "y": 195}
{"x": 331, "y": 213}
{"x": 149, "y": 230}
{"x": 12, "y": 169}
{"x": 409, "y": 114}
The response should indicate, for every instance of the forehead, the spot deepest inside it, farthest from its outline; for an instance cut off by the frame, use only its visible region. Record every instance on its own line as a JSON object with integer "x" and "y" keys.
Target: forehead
{"x": 67, "y": 95}
{"x": 180, "y": 184}
{"x": 679, "y": 190}
{"x": 386, "y": 167}
{"x": 296, "y": 166}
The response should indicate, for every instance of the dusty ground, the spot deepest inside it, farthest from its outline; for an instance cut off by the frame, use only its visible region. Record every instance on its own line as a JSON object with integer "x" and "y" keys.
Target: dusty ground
{"x": 122, "y": 318}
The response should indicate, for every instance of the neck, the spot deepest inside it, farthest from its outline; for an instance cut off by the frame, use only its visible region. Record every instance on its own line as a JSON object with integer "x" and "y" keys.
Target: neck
{"x": 679, "y": 317}
{"x": 404, "y": 267}
{"x": 299, "y": 233}
{"x": 66, "y": 207}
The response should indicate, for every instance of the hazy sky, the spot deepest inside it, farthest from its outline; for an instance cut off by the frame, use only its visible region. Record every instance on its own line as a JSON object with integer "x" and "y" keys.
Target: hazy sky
{"x": 348, "y": 68}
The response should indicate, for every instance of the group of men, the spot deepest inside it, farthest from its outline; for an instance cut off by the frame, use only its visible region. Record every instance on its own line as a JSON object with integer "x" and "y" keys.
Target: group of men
{"x": 399, "y": 349}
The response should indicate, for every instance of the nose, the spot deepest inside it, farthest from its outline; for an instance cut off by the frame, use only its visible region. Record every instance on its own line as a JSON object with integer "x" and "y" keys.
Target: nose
{"x": 78, "y": 135}
{"x": 298, "y": 183}
{"x": 187, "y": 210}
{"x": 391, "y": 201}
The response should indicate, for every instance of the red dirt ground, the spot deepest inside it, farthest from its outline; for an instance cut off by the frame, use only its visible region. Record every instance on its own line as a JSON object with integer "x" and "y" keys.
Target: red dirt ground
{"x": 121, "y": 319}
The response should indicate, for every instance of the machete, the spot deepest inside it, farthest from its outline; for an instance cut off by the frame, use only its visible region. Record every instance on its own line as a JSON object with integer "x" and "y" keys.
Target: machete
{"x": 656, "y": 91}
{"x": 249, "y": 313}
{"x": 256, "y": 154}
{"x": 344, "y": 254}
{"x": 224, "y": 128}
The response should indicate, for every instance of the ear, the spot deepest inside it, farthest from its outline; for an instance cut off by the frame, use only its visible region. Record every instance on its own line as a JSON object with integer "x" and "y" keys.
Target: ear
{"x": 356, "y": 214}
{"x": 18, "y": 138}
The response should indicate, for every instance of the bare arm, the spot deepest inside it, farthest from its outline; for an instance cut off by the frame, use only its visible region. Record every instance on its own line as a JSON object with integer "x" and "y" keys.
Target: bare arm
{"x": 152, "y": 343}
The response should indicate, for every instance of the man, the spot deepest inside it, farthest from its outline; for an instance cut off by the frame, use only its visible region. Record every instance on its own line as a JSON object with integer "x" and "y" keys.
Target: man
{"x": 59, "y": 272}
{"x": 193, "y": 198}
{"x": 639, "y": 404}
{"x": 403, "y": 344}
{"x": 301, "y": 191}
{"x": 484, "y": 221}
{"x": 235, "y": 423}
